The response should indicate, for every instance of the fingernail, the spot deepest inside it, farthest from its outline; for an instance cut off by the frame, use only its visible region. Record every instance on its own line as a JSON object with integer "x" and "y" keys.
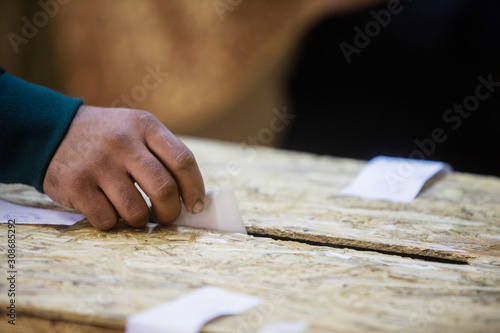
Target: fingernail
{"x": 198, "y": 207}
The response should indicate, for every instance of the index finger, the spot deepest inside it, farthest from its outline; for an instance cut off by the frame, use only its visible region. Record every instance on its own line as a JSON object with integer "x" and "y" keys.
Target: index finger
{"x": 181, "y": 164}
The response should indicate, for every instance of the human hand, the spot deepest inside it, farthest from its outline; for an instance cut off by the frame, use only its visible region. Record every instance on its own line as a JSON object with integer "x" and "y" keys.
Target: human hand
{"x": 105, "y": 151}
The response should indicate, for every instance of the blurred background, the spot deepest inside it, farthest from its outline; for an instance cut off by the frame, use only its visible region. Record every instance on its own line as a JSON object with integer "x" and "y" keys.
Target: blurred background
{"x": 362, "y": 78}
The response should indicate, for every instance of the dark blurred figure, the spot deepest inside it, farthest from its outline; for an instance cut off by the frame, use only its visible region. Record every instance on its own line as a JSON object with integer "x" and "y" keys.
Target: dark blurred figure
{"x": 406, "y": 84}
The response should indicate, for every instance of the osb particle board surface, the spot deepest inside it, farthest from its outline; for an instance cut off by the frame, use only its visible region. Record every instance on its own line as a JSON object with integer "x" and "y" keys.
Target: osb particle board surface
{"x": 77, "y": 277}
{"x": 296, "y": 195}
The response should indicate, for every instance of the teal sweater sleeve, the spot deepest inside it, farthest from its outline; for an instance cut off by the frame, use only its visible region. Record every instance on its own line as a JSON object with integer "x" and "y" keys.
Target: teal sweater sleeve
{"x": 33, "y": 122}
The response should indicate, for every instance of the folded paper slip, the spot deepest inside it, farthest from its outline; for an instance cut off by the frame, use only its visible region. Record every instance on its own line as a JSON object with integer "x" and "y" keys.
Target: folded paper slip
{"x": 393, "y": 179}
{"x": 220, "y": 213}
{"x": 30, "y": 215}
{"x": 188, "y": 313}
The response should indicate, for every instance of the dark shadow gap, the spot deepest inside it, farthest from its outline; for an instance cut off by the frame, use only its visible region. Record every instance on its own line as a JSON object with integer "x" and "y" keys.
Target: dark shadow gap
{"x": 404, "y": 255}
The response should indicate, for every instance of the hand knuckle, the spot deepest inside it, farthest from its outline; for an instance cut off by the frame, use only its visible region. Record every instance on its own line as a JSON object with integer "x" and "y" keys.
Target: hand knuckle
{"x": 154, "y": 169}
{"x": 120, "y": 138}
{"x": 80, "y": 182}
{"x": 185, "y": 160}
{"x": 137, "y": 216}
{"x": 135, "y": 212}
{"x": 99, "y": 162}
{"x": 147, "y": 121}
{"x": 105, "y": 223}
{"x": 145, "y": 116}
{"x": 151, "y": 164}
{"x": 100, "y": 217}
{"x": 174, "y": 212}
{"x": 166, "y": 190}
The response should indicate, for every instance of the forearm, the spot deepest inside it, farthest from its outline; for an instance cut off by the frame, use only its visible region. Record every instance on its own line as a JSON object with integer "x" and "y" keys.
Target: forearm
{"x": 34, "y": 121}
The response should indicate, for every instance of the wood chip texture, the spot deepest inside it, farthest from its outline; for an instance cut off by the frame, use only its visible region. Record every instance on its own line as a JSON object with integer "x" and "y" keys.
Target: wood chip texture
{"x": 344, "y": 265}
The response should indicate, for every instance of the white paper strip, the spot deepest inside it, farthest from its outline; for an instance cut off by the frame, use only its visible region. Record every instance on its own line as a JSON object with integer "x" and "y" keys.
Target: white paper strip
{"x": 393, "y": 179}
{"x": 188, "y": 313}
{"x": 220, "y": 213}
{"x": 31, "y": 215}
{"x": 284, "y": 327}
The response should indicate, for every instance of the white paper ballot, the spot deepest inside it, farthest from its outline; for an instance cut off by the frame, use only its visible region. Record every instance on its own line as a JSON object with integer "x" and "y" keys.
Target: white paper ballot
{"x": 393, "y": 179}
{"x": 188, "y": 313}
{"x": 31, "y": 215}
{"x": 220, "y": 213}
